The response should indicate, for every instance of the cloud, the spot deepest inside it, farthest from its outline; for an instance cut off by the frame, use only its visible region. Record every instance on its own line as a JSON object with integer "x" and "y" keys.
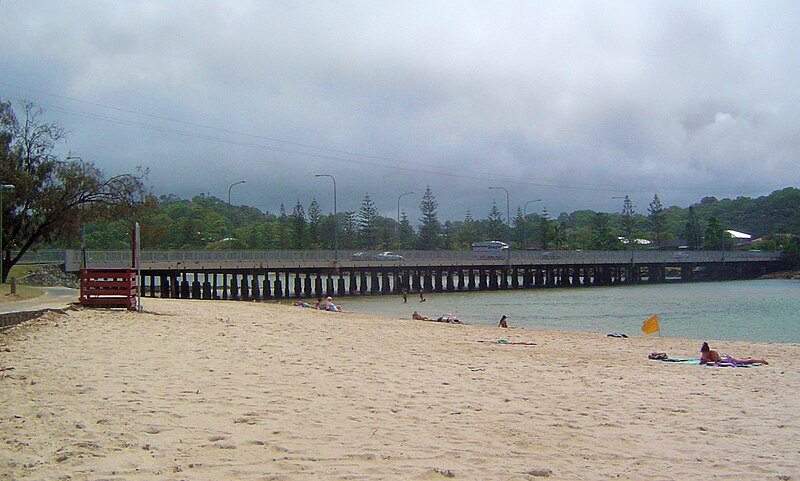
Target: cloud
{"x": 573, "y": 102}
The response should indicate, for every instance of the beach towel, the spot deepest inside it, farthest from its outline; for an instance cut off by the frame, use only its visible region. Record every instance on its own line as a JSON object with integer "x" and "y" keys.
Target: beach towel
{"x": 503, "y": 341}
{"x": 712, "y": 364}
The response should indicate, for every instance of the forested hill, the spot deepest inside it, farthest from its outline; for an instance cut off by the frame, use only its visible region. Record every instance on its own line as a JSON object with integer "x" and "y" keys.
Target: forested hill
{"x": 206, "y": 222}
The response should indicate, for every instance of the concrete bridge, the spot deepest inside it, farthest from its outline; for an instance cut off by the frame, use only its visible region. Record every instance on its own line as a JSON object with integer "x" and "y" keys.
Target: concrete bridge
{"x": 265, "y": 275}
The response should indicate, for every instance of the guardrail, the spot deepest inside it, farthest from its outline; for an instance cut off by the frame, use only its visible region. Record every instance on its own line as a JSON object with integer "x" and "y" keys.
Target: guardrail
{"x": 73, "y": 259}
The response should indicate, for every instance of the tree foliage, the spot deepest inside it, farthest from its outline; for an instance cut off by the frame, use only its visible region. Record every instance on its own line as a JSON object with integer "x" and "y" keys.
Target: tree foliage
{"x": 52, "y": 198}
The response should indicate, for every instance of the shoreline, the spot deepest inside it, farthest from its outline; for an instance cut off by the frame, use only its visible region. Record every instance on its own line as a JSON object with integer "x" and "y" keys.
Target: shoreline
{"x": 222, "y": 390}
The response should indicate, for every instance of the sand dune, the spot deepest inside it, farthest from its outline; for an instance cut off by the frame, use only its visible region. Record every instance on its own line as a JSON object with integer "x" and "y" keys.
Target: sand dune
{"x": 206, "y": 390}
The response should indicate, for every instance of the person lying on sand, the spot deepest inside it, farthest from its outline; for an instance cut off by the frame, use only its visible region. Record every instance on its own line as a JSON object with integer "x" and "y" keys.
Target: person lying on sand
{"x": 417, "y": 316}
{"x": 708, "y": 355}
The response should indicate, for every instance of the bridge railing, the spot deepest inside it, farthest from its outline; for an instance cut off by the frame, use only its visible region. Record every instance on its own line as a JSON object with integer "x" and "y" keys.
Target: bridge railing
{"x": 73, "y": 259}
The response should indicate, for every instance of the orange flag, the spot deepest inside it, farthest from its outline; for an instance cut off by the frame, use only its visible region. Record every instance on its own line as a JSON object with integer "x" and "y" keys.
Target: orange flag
{"x": 650, "y": 325}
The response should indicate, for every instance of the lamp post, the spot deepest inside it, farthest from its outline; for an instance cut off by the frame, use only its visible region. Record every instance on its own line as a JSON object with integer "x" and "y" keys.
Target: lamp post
{"x": 335, "y": 228}
{"x": 2, "y": 252}
{"x": 508, "y": 218}
{"x": 525, "y": 212}
{"x": 231, "y": 187}
{"x": 398, "y": 216}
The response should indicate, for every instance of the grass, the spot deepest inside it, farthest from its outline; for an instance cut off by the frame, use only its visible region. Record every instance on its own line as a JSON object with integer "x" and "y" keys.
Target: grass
{"x": 23, "y": 291}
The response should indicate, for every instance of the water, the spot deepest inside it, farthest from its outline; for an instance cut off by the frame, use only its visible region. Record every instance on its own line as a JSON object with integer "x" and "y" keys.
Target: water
{"x": 756, "y": 310}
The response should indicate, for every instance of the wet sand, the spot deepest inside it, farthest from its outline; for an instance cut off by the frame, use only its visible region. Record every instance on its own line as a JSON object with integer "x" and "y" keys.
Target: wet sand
{"x": 207, "y": 390}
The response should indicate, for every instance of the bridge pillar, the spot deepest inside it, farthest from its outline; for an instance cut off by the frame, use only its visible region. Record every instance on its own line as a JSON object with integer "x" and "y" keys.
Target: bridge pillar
{"x": 340, "y": 287}
{"x": 234, "y": 288}
{"x": 318, "y": 285}
{"x": 449, "y": 285}
{"x": 164, "y": 286}
{"x": 504, "y": 277}
{"x": 515, "y": 278}
{"x": 196, "y": 290}
{"x": 278, "y": 287}
{"x": 254, "y": 289}
{"x": 686, "y": 273}
{"x": 307, "y": 285}
{"x": 461, "y": 283}
{"x": 492, "y": 279}
{"x": 298, "y": 285}
{"x": 185, "y": 287}
{"x": 437, "y": 280}
{"x": 206, "y": 287}
{"x": 373, "y": 282}
{"x": 244, "y": 287}
{"x": 386, "y": 287}
{"x": 362, "y": 287}
{"x": 266, "y": 287}
{"x": 286, "y": 292}
{"x": 353, "y": 287}
{"x": 329, "y": 285}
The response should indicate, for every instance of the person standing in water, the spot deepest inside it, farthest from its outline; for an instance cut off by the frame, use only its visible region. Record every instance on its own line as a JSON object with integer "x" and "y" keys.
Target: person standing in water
{"x": 503, "y": 322}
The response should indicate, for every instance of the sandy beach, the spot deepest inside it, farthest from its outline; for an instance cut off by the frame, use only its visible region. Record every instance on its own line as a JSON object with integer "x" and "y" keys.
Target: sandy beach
{"x": 203, "y": 390}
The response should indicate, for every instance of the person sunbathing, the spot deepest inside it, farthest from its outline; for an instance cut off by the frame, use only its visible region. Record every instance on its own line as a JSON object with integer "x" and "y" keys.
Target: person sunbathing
{"x": 417, "y": 316}
{"x": 708, "y": 355}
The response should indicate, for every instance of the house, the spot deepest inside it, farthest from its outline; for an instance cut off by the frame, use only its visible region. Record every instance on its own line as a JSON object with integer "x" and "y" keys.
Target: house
{"x": 739, "y": 238}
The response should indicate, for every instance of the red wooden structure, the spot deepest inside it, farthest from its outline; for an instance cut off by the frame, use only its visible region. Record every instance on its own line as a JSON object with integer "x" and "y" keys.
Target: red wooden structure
{"x": 108, "y": 287}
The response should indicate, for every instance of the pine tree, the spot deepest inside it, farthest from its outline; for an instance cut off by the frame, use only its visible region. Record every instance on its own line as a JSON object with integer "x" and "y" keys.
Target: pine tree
{"x": 627, "y": 221}
{"x": 520, "y": 228}
{"x": 298, "y": 225}
{"x": 657, "y": 218}
{"x": 314, "y": 224}
{"x": 366, "y": 222}
{"x": 496, "y": 223}
{"x": 431, "y": 228}
{"x": 283, "y": 229}
{"x": 692, "y": 232}
{"x": 405, "y": 232}
{"x": 468, "y": 233}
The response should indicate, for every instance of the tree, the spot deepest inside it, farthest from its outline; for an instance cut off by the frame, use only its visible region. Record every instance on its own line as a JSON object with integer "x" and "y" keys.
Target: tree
{"x": 367, "y": 216}
{"x": 628, "y": 221}
{"x": 497, "y": 227}
{"x": 601, "y": 237}
{"x": 314, "y": 221}
{"x": 716, "y": 238}
{"x": 468, "y": 232}
{"x": 692, "y": 231}
{"x": 405, "y": 232}
{"x": 656, "y": 217}
{"x": 430, "y": 229}
{"x": 299, "y": 225}
{"x": 520, "y": 227}
{"x": 51, "y": 198}
{"x": 544, "y": 228}
{"x": 283, "y": 229}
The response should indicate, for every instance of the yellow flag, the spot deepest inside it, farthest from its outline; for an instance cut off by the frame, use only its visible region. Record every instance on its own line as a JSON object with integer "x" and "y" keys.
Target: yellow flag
{"x": 650, "y": 325}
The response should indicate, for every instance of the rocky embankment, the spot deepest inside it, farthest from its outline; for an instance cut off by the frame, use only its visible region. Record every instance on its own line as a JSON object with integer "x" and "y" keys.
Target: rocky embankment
{"x": 50, "y": 276}
{"x": 795, "y": 274}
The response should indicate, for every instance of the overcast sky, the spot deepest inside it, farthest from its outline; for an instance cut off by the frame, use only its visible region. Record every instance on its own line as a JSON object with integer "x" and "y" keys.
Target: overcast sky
{"x": 570, "y": 102}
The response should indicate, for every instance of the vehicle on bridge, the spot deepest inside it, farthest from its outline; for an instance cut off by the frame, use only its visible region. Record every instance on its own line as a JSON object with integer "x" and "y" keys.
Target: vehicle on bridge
{"x": 389, "y": 256}
{"x": 490, "y": 249}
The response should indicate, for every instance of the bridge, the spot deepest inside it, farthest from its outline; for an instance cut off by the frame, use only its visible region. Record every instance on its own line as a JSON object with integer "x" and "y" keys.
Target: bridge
{"x": 266, "y": 275}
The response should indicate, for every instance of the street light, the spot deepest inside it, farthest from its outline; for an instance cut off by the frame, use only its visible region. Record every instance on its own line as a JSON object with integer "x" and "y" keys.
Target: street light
{"x": 2, "y": 252}
{"x": 508, "y": 218}
{"x": 398, "y": 216}
{"x": 231, "y": 187}
{"x": 335, "y": 229}
{"x": 525, "y": 213}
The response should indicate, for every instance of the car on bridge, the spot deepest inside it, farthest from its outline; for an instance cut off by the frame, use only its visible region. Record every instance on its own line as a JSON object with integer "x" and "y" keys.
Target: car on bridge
{"x": 389, "y": 256}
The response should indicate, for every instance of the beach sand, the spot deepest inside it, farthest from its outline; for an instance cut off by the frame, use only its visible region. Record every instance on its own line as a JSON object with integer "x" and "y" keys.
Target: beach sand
{"x": 203, "y": 390}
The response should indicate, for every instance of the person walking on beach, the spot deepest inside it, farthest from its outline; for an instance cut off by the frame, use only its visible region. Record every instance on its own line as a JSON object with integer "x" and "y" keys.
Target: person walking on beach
{"x": 421, "y": 296}
{"x": 405, "y": 296}
{"x": 503, "y": 322}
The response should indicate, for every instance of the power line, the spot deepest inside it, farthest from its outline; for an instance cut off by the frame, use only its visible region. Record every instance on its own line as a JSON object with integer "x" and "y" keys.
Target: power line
{"x": 323, "y": 152}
